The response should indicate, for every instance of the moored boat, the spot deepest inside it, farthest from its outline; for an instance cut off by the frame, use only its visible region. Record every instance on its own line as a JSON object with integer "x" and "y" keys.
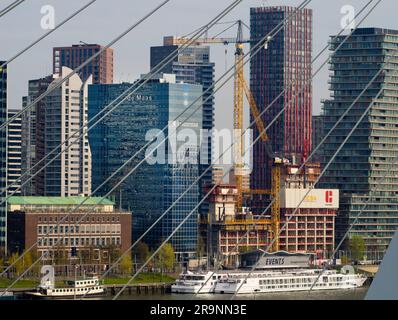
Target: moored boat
{"x": 72, "y": 289}
{"x": 288, "y": 280}
{"x": 200, "y": 282}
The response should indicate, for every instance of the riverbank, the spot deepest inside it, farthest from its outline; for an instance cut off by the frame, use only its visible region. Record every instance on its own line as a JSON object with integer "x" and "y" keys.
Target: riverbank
{"x": 144, "y": 278}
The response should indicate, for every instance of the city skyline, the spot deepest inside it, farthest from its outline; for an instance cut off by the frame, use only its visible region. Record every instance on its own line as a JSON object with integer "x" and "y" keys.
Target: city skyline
{"x": 132, "y": 60}
{"x": 147, "y": 162}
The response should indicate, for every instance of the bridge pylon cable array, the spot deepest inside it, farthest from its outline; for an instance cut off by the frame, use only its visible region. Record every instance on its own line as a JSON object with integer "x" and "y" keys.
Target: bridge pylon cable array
{"x": 47, "y": 34}
{"x": 57, "y": 85}
{"x": 161, "y": 64}
{"x": 275, "y": 197}
{"x": 10, "y": 7}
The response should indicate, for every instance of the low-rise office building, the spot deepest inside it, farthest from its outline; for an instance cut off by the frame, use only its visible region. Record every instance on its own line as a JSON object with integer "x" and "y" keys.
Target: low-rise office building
{"x": 89, "y": 230}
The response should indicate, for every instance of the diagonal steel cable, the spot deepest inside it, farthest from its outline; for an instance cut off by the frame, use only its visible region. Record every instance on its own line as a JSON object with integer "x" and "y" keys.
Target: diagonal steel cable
{"x": 109, "y": 108}
{"x": 220, "y": 16}
{"x": 311, "y": 188}
{"x": 253, "y": 51}
{"x": 4, "y": 125}
{"x": 47, "y": 33}
{"x": 257, "y": 217}
{"x": 10, "y": 7}
{"x": 334, "y": 156}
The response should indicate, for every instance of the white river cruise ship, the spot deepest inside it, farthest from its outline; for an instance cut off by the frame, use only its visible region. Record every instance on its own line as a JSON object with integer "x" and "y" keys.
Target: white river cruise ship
{"x": 190, "y": 282}
{"x": 275, "y": 272}
{"x": 288, "y": 280}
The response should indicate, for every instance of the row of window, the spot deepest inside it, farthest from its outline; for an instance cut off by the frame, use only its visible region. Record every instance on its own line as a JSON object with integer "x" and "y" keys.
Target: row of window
{"x": 44, "y": 242}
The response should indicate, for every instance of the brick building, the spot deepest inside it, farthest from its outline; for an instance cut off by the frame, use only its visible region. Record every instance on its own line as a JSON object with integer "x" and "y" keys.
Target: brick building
{"x": 101, "y": 68}
{"x": 102, "y": 230}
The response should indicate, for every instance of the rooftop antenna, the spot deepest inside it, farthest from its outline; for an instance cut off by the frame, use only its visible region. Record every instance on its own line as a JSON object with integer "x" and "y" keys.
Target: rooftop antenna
{"x": 82, "y": 42}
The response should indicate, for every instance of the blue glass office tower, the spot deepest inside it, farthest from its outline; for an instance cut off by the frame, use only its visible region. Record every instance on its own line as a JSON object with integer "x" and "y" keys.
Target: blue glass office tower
{"x": 152, "y": 188}
{"x": 3, "y": 154}
{"x": 192, "y": 65}
{"x": 364, "y": 169}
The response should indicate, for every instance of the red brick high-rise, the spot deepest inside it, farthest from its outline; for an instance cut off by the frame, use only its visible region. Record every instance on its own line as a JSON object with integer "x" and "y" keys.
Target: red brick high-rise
{"x": 72, "y": 57}
{"x": 284, "y": 65}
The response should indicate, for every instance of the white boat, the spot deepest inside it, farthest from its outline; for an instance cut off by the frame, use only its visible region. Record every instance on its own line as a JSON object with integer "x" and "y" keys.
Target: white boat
{"x": 288, "y": 280}
{"x": 190, "y": 282}
{"x": 73, "y": 288}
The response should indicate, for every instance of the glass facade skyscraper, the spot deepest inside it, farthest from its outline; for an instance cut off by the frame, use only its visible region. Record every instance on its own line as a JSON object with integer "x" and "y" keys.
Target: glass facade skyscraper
{"x": 363, "y": 170}
{"x": 3, "y": 153}
{"x": 154, "y": 186}
{"x": 192, "y": 65}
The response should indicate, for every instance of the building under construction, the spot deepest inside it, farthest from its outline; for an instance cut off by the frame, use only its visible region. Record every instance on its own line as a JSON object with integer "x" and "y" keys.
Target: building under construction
{"x": 229, "y": 231}
{"x": 278, "y": 183}
{"x": 224, "y": 227}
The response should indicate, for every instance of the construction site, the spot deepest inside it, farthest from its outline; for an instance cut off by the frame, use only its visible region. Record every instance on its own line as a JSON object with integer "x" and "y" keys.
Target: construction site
{"x": 237, "y": 210}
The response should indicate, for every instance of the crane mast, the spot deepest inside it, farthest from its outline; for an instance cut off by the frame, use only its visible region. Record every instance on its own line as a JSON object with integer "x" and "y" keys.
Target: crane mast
{"x": 238, "y": 116}
{"x": 241, "y": 88}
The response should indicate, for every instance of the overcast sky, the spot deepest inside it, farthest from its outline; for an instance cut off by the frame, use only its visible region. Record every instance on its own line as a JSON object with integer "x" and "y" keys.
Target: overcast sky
{"x": 105, "y": 19}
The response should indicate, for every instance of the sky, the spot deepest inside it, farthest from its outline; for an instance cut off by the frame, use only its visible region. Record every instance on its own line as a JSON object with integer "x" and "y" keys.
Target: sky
{"x": 105, "y": 20}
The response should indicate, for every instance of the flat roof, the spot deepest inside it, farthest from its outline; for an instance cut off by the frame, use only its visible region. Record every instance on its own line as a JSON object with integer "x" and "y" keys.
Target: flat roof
{"x": 58, "y": 201}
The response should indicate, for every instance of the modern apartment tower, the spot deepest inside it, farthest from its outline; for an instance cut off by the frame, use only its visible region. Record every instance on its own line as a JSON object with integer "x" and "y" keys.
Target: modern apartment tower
{"x": 281, "y": 72}
{"x": 364, "y": 170}
{"x": 160, "y": 180}
{"x": 14, "y": 153}
{"x": 3, "y": 154}
{"x": 101, "y": 68}
{"x": 317, "y": 135}
{"x": 33, "y": 130}
{"x": 65, "y": 113}
{"x": 193, "y": 65}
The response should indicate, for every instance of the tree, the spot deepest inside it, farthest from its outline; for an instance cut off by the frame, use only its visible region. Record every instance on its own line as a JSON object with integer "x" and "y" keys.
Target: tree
{"x": 357, "y": 247}
{"x": 166, "y": 257}
{"x": 19, "y": 265}
{"x": 141, "y": 252}
{"x": 27, "y": 260}
{"x": 125, "y": 264}
{"x": 344, "y": 260}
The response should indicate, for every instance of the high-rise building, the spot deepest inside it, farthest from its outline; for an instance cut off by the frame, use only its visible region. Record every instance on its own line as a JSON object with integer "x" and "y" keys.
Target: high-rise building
{"x": 3, "y": 155}
{"x": 64, "y": 113}
{"x": 363, "y": 170}
{"x": 33, "y": 129}
{"x": 284, "y": 66}
{"x": 155, "y": 184}
{"x": 317, "y": 135}
{"x": 193, "y": 65}
{"x": 101, "y": 68}
{"x": 14, "y": 153}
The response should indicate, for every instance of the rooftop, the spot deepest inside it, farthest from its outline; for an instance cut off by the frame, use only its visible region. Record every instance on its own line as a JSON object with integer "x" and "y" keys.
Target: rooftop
{"x": 60, "y": 201}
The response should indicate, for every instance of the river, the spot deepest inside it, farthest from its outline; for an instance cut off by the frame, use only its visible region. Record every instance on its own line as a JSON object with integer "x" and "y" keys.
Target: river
{"x": 346, "y": 294}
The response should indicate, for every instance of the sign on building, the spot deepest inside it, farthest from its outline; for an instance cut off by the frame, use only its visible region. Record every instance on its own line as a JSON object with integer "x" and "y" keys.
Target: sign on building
{"x": 316, "y": 198}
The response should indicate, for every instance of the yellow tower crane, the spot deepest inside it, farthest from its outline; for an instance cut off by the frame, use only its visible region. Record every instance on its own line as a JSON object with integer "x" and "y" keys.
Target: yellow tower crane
{"x": 241, "y": 88}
